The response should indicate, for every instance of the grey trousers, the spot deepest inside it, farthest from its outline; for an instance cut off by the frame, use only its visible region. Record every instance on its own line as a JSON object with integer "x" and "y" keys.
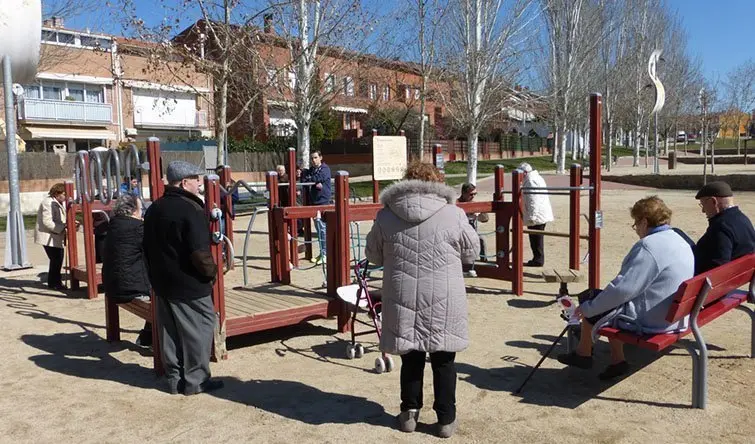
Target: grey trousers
{"x": 186, "y": 333}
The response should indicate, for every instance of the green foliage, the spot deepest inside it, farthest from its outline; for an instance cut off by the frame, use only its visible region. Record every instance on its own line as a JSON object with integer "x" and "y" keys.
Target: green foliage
{"x": 325, "y": 126}
{"x": 273, "y": 144}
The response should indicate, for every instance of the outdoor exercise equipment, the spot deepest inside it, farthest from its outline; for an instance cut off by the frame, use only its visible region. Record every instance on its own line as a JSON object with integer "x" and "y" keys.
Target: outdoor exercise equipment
{"x": 96, "y": 185}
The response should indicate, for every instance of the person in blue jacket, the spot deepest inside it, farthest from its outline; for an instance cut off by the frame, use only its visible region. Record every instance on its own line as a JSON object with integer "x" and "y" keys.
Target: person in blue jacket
{"x": 319, "y": 194}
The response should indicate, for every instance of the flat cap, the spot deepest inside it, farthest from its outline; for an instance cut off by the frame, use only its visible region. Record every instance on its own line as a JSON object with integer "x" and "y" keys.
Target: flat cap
{"x": 714, "y": 189}
{"x": 179, "y": 170}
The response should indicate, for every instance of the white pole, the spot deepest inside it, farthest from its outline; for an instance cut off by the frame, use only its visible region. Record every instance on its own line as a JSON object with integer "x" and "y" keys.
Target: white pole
{"x": 15, "y": 247}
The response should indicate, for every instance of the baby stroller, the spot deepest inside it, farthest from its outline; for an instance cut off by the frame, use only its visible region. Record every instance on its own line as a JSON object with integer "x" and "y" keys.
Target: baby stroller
{"x": 358, "y": 297}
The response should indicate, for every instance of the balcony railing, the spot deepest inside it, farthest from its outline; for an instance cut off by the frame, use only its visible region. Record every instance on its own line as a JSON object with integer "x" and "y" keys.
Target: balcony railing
{"x": 65, "y": 111}
{"x": 197, "y": 119}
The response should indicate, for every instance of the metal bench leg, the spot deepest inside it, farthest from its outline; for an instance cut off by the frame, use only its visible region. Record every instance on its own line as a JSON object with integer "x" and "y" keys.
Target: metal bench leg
{"x": 695, "y": 372}
{"x": 750, "y": 312}
{"x": 702, "y": 371}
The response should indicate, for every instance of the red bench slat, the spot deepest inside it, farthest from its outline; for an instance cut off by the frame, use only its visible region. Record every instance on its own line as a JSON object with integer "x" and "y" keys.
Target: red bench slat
{"x": 723, "y": 279}
{"x": 661, "y": 341}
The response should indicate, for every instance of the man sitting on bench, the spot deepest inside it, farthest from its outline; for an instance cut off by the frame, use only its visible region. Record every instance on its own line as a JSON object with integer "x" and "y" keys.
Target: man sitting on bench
{"x": 730, "y": 234}
{"x": 640, "y": 296}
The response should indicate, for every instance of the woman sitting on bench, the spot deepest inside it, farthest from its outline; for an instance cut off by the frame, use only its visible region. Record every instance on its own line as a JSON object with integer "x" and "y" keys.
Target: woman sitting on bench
{"x": 124, "y": 270}
{"x": 640, "y": 296}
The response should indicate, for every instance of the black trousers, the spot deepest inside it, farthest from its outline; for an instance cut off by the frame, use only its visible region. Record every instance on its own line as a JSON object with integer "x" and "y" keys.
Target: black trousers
{"x": 537, "y": 243}
{"x": 55, "y": 255}
{"x": 444, "y": 383}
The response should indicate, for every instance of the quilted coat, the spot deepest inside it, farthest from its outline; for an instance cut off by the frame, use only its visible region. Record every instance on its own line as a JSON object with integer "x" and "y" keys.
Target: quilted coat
{"x": 537, "y": 207}
{"x": 421, "y": 239}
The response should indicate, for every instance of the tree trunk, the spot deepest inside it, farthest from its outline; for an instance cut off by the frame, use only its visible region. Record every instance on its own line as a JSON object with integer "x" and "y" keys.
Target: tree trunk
{"x": 575, "y": 144}
{"x": 222, "y": 127}
{"x": 302, "y": 133}
{"x": 609, "y": 150}
{"x": 561, "y": 164}
{"x": 472, "y": 155}
{"x": 421, "y": 153}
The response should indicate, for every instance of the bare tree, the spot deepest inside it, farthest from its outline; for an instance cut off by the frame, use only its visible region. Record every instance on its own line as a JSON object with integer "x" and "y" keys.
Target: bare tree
{"x": 483, "y": 47}
{"x": 740, "y": 90}
{"x": 572, "y": 43}
{"x": 323, "y": 37}
{"x": 430, "y": 16}
{"x": 222, "y": 44}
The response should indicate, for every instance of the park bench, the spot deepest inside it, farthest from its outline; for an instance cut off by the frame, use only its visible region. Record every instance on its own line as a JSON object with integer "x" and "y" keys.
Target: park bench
{"x": 704, "y": 298}
{"x": 112, "y": 316}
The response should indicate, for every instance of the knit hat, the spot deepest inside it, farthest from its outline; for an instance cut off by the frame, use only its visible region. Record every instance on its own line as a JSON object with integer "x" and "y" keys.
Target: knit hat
{"x": 714, "y": 189}
{"x": 179, "y": 170}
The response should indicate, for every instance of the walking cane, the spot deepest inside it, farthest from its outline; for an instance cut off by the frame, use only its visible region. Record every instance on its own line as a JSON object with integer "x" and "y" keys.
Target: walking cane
{"x": 532, "y": 372}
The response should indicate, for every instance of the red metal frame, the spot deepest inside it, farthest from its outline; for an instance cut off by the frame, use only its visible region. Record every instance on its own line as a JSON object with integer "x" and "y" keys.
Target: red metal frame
{"x": 225, "y": 180}
{"x": 575, "y": 179}
{"x": 271, "y": 179}
{"x": 212, "y": 202}
{"x": 596, "y": 108}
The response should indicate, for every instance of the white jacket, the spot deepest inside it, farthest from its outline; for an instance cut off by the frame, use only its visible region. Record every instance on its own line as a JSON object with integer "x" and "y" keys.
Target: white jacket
{"x": 51, "y": 223}
{"x": 537, "y": 207}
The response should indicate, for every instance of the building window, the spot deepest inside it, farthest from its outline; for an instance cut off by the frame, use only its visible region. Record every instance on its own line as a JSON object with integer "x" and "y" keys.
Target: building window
{"x": 75, "y": 95}
{"x": 272, "y": 78}
{"x": 330, "y": 82}
{"x": 64, "y": 37}
{"x": 386, "y": 93}
{"x": 292, "y": 80}
{"x": 51, "y": 93}
{"x": 348, "y": 86}
{"x": 416, "y": 93}
{"x": 407, "y": 93}
{"x": 94, "y": 96}
{"x": 373, "y": 91}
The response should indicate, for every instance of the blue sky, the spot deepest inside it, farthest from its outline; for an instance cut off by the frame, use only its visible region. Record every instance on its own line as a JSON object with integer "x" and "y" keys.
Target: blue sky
{"x": 721, "y": 32}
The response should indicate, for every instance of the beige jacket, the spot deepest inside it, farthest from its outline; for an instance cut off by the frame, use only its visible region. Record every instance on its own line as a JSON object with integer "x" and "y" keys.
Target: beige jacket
{"x": 51, "y": 223}
{"x": 422, "y": 239}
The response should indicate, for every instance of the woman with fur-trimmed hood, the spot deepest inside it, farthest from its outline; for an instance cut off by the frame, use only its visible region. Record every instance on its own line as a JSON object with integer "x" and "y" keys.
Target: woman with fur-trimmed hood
{"x": 422, "y": 238}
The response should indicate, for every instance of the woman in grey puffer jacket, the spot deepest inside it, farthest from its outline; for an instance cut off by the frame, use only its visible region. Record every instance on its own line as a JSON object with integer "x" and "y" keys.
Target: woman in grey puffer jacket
{"x": 421, "y": 239}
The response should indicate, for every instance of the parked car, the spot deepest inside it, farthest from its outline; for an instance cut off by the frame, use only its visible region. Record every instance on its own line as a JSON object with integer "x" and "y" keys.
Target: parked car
{"x": 681, "y": 136}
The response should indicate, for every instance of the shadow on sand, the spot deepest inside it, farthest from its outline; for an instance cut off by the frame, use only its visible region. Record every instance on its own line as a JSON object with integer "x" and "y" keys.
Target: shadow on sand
{"x": 86, "y": 355}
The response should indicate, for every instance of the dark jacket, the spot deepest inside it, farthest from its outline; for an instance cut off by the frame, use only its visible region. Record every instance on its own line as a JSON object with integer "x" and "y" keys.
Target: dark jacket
{"x": 124, "y": 269}
{"x": 729, "y": 236}
{"x": 317, "y": 175}
{"x": 177, "y": 246}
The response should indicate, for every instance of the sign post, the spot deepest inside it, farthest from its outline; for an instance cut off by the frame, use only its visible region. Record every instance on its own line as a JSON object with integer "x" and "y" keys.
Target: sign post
{"x": 388, "y": 157}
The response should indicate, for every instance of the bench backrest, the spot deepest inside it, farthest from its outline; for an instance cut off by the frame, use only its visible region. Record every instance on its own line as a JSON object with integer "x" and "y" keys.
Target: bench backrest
{"x": 723, "y": 279}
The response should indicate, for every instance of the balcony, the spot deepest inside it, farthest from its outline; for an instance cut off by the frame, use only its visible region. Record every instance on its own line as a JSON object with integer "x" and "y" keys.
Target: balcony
{"x": 65, "y": 111}
{"x": 150, "y": 119}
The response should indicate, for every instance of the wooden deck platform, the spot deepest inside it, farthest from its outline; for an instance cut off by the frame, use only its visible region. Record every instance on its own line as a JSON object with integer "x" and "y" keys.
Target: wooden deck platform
{"x": 250, "y": 310}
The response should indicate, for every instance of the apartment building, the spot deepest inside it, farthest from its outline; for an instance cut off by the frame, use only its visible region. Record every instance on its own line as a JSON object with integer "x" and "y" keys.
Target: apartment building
{"x": 99, "y": 90}
{"x": 354, "y": 85}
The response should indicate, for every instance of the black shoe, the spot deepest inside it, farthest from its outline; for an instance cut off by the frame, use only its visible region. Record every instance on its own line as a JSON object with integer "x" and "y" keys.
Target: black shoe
{"x": 59, "y": 287}
{"x": 207, "y": 386}
{"x": 575, "y": 360}
{"x": 533, "y": 264}
{"x": 144, "y": 339}
{"x": 614, "y": 371}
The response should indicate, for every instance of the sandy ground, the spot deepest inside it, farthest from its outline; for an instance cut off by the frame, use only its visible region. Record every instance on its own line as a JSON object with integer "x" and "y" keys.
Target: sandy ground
{"x": 62, "y": 382}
